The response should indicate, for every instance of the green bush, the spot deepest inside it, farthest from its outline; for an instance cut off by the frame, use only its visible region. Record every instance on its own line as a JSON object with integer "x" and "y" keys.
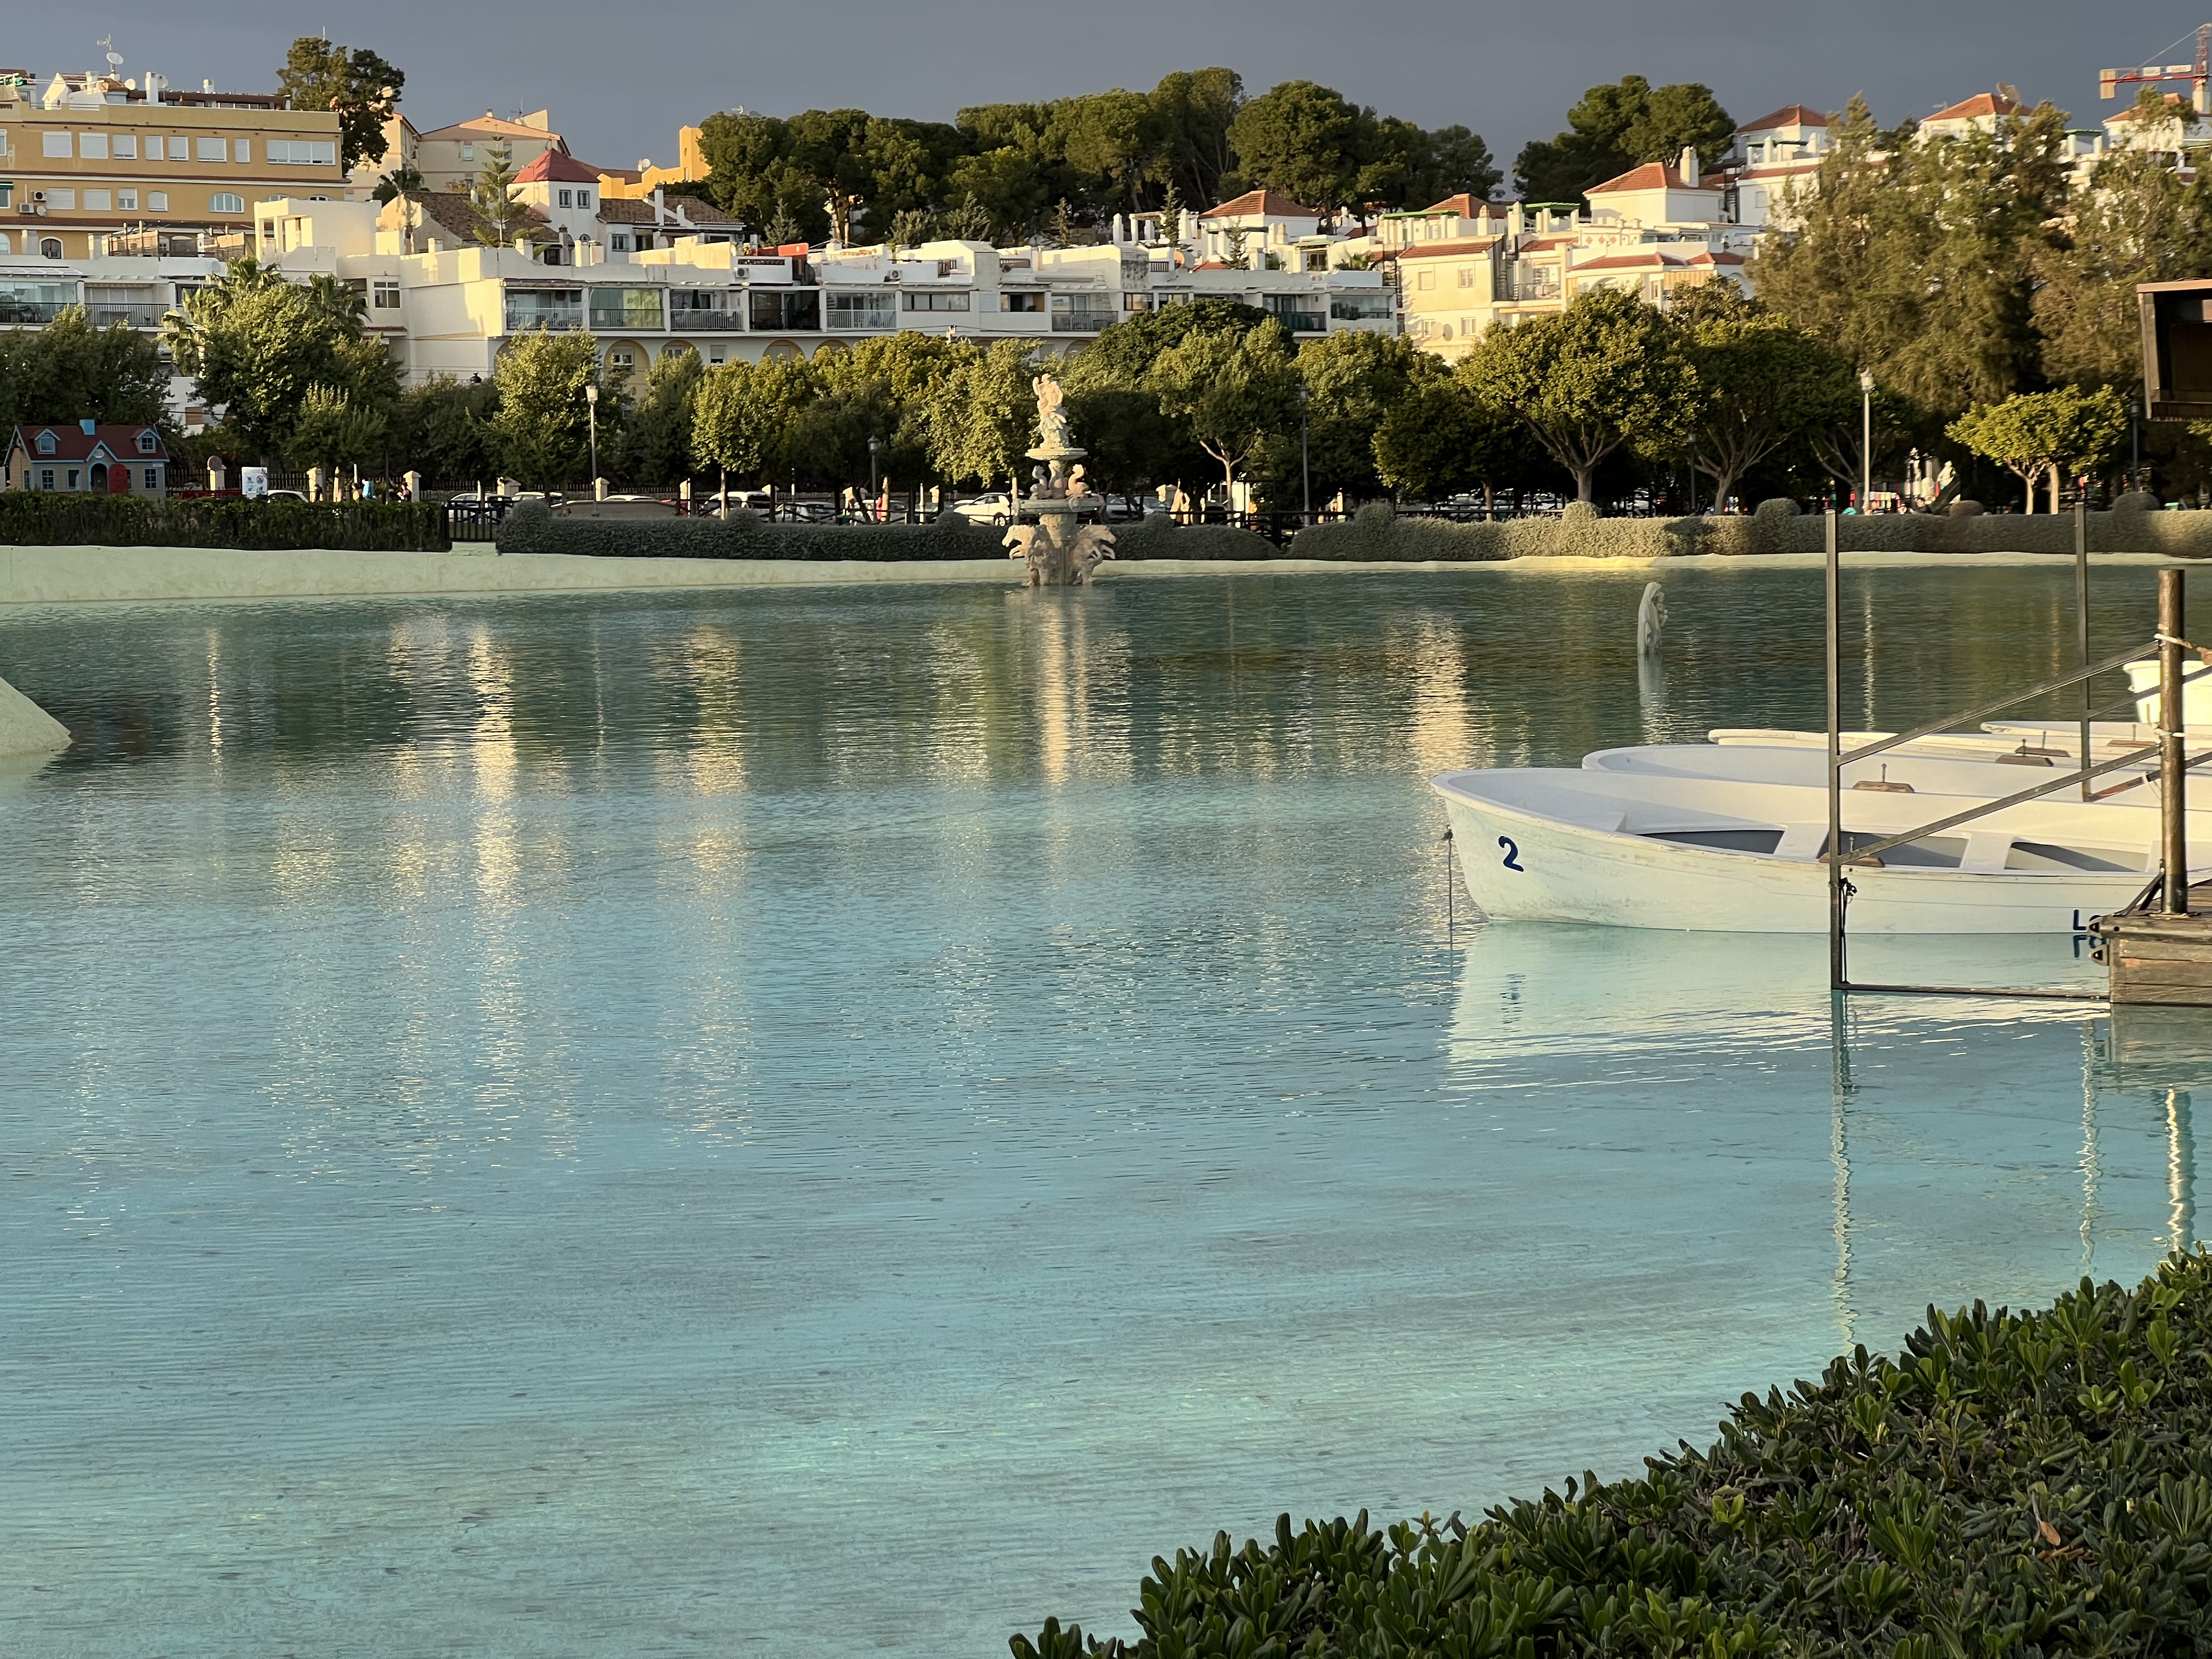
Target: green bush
{"x": 2031, "y": 1483}
{"x": 36, "y": 518}
{"x": 532, "y": 527}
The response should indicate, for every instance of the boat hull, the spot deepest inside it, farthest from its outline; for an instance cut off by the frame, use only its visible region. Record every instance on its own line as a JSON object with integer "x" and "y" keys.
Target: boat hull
{"x": 1522, "y": 865}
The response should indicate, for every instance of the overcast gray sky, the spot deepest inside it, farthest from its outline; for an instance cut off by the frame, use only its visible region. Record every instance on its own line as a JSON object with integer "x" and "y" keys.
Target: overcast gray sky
{"x": 620, "y": 76}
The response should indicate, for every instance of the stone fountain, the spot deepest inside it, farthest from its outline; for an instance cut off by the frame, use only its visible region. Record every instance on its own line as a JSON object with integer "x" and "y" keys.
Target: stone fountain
{"x": 1061, "y": 551}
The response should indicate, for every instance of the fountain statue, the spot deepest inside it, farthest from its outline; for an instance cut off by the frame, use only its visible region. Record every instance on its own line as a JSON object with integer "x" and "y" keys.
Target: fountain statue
{"x": 1061, "y": 551}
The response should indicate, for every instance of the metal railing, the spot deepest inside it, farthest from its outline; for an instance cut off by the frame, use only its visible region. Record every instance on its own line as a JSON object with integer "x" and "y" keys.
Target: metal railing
{"x": 1302, "y": 322}
{"x": 1844, "y": 848}
{"x": 1081, "y": 322}
{"x": 706, "y": 322}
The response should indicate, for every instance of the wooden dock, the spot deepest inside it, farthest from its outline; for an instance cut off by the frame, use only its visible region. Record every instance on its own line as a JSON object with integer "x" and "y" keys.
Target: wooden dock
{"x": 2157, "y": 960}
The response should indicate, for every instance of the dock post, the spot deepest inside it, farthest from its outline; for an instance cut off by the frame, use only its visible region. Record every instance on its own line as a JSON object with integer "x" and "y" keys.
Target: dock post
{"x": 2081, "y": 629}
{"x": 1838, "y": 980}
{"x": 2173, "y": 779}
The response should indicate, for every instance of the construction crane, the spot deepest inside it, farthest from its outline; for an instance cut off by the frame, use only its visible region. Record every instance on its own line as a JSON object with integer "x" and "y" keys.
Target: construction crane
{"x": 2199, "y": 73}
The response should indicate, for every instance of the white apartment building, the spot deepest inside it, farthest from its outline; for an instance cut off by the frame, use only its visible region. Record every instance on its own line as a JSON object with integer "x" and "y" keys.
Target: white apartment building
{"x": 446, "y": 306}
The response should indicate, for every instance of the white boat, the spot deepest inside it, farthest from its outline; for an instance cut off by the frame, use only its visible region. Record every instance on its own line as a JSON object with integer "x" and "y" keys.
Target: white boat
{"x": 2001, "y": 767}
{"x": 1649, "y": 849}
{"x": 2195, "y": 694}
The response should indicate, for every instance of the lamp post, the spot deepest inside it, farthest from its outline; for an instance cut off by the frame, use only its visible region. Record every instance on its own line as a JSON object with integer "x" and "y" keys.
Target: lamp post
{"x": 875, "y": 449}
{"x": 2135, "y": 441}
{"x": 591, "y": 415}
{"x": 1305, "y": 466}
{"x": 1866, "y": 440}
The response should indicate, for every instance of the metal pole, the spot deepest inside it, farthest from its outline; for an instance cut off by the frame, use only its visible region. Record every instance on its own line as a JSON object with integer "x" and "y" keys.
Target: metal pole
{"x": 2173, "y": 779}
{"x": 2081, "y": 626}
{"x": 1837, "y": 978}
{"x": 1866, "y": 442}
{"x": 1305, "y": 467}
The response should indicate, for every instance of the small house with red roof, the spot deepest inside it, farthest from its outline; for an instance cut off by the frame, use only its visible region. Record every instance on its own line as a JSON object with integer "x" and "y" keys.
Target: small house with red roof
{"x": 1264, "y": 222}
{"x": 1979, "y": 114}
{"x": 89, "y": 459}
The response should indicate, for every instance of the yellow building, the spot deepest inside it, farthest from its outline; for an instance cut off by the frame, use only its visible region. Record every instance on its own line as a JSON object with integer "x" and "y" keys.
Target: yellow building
{"x": 637, "y": 184}
{"x": 91, "y": 158}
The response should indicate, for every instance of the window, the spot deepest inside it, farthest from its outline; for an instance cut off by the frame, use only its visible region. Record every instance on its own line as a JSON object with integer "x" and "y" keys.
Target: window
{"x": 154, "y": 148}
{"x": 50, "y": 247}
{"x": 529, "y": 308}
{"x": 127, "y": 200}
{"x": 241, "y": 151}
{"x": 153, "y": 477}
{"x": 98, "y": 201}
{"x": 157, "y": 201}
{"x": 223, "y": 202}
{"x": 93, "y": 146}
{"x": 303, "y": 152}
{"x": 1467, "y": 276}
{"x": 933, "y": 302}
{"x": 74, "y": 475}
{"x": 1136, "y": 302}
{"x": 214, "y": 150}
{"x": 567, "y": 198}
{"x": 34, "y": 302}
{"x": 1021, "y": 302}
{"x": 626, "y": 307}
{"x": 619, "y": 241}
{"x": 383, "y": 294}
{"x": 863, "y": 310}
{"x": 148, "y": 443}
{"x": 46, "y": 478}
{"x": 6, "y": 246}
{"x": 1427, "y": 279}
{"x": 468, "y": 152}
{"x": 622, "y": 360}
{"x": 774, "y": 310}
{"x": 55, "y": 144}
{"x": 64, "y": 199}
{"x": 45, "y": 443}
{"x": 125, "y": 146}
{"x": 6, "y": 192}
{"x": 583, "y": 198}
{"x": 1358, "y": 307}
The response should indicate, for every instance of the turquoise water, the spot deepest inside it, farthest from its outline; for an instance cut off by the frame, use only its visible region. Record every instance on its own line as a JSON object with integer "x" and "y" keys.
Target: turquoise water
{"x": 819, "y": 1122}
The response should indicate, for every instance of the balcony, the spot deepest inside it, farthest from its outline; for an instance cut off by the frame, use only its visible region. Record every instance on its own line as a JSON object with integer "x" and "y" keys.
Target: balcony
{"x": 1082, "y": 322}
{"x": 17, "y": 312}
{"x": 128, "y": 316}
{"x": 1302, "y": 322}
{"x": 558, "y": 309}
{"x": 707, "y": 322}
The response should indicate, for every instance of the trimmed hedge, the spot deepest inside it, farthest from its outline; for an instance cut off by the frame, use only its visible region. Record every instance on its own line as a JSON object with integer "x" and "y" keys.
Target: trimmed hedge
{"x": 2031, "y": 1483}
{"x": 532, "y": 527}
{"x": 35, "y": 519}
{"x": 1378, "y": 533}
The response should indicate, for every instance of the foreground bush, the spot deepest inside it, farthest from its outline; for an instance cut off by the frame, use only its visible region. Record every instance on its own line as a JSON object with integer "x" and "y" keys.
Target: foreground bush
{"x": 33, "y": 518}
{"x": 2012, "y": 1484}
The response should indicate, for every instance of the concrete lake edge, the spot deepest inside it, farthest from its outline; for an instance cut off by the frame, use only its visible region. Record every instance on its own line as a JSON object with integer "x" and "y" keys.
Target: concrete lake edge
{"x": 30, "y": 576}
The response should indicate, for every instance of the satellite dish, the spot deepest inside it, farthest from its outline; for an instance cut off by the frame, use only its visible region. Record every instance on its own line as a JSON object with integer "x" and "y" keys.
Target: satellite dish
{"x": 115, "y": 60}
{"x": 2009, "y": 92}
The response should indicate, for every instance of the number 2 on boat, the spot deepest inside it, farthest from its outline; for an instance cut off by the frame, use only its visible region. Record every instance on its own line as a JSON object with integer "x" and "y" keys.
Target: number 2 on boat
{"x": 1512, "y": 853}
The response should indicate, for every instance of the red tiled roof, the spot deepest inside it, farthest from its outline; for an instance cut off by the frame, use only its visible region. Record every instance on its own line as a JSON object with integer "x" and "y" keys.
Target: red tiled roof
{"x": 73, "y": 443}
{"x": 1981, "y": 104}
{"x": 1264, "y": 201}
{"x": 558, "y": 168}
{"x": 1461, "y": 245}
{"x": 1648, "y": 258}
{"x": 1652, "y": 175}
{"x": 1466, "y": 206}
{"x": 1789, "y": 115}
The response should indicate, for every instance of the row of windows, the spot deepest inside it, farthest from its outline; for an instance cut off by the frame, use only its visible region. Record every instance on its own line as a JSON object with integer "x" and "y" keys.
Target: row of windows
{"x": 581, "y": 198}
{"x": 148, "y": 443}
{"x": 51, "y": 477}
{"x": 125, "y": 200}
{"x": 125, "y": 147}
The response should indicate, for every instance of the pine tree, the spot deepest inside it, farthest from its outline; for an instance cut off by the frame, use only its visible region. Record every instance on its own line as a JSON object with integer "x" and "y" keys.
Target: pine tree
{"x": 500, "y": 213}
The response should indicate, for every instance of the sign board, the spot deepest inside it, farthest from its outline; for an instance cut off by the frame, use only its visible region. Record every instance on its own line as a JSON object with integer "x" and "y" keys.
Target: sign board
{"x": 2176, "y": 340}
{"x": 253, "y": 482}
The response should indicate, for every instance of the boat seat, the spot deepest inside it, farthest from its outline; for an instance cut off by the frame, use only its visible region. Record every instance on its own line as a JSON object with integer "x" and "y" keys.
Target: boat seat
{"x": 1986, "y": 851}
{"x": 1801, "y": 842}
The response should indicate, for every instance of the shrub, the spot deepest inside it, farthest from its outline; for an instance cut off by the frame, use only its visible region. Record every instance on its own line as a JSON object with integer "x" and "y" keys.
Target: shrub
{"x": 35, "y": 519}
{"x": 2036, "y": 1484}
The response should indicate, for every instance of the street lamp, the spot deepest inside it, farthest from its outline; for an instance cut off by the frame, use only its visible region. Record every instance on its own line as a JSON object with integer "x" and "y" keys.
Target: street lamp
{"x": 1866, "y": 439}
{"x": 875, "y": 449}
{"x": 2135, "y": 442}
{"x": 1305, "y": 466}
{"x": 592, "y": 414}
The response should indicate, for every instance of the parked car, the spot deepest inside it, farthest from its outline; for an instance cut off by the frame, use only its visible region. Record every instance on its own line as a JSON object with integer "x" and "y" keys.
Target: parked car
{"x": 993, "y": 509}
{"x": 282, "y": 495}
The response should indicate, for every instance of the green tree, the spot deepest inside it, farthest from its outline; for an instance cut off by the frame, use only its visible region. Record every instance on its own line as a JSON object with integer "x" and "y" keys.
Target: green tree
{"x": 2033, "y": 434}
{"x": 1237, "y": 393}
{"x": 1443, "y": 438}
{"x": 332, "y": 431}
{"x": 1353, "y": 380}
{"x": 256, "y": 343}
{"x": 744, "y": 415}
{"x": 1607, "y": 372}
{"x": 2140, "y": 220}
{"x": 655, "y": 447}
{"x": 70, "y": 371}
{"x": 1767, "y": 384}
{"x": 982, "y": 415}
{"x": 1613, "y": 128}
{"x": 360, "y": 86}
{"x": 1916, "y": 258}
{"x": 402, "y": 180}
{"x": 441, "y": 428}
{"x": 541, "y": 425}
{"x": 1194, "y": 110}
{"x": 1302, "y": 139}
{"x": 501, "y": 212}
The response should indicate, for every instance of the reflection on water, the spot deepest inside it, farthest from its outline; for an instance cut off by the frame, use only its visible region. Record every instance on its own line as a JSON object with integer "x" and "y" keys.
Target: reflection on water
{"x": 527, "y": 1118}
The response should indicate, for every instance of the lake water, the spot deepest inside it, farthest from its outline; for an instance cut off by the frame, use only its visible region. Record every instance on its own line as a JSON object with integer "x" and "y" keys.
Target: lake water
{"x": 817, "y": 1122}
